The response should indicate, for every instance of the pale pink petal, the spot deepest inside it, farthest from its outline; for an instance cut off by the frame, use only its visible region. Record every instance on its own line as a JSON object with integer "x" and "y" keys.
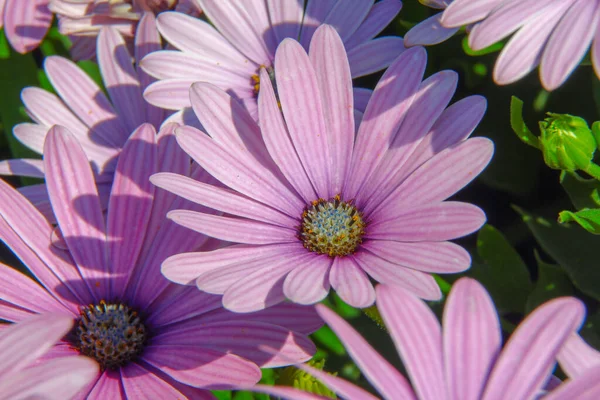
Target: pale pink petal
{"x": 351, "y": 283}
{"x": 302, "y": 108}
{"x": 328, "y": 56}
{"x": 472, "y": 339}
{"x": 37, "y": 195}
{"x": 576, "y": 356}
{"x": 595, "y": 54}
{"x": 308, "y": 283}
{"x": 419, "y": 283}
{"x": 568, "y": 43}
{"x": 463, "y": 12}
{"x": 75, "y": 202}
{"x": 120, "y": 78}
{"x": 202, "y": 368}
{"x": 427, "y": 32}
{"x": 380, "y": 373}
{"x": 140, "y": 383}
{"x": 437, "y": 257}
{"x": 374, "y": 55}
{"x": 584, "y": 387}
{"x": 417, "y": 335}
{"x": 285, "y": 18}
{"x": 108, "y": 386}
{"x": 172, "y": 94}
{"x": 26, "y": 23}
{"x": 386, "y": 110}
{"x": 31, "y": 135}
{"x": 130, "y": 205}
{"x": 529, "y": 355}
{"x": 345, "y": 19}
{"x": 22, "y": 167}
{"x": 379, "y": 17}
{"x": 314, "y": 15}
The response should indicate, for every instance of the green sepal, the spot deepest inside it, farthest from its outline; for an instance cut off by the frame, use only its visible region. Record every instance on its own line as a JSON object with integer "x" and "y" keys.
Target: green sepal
{"x": 301, "y": 380}
{"x": 588, "y": 219}
{"x": 584, "y": 193}
{"x": 518, "y": 124}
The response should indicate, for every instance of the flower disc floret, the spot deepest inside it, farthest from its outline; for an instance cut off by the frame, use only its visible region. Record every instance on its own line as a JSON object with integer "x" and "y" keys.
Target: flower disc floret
{"x": 111, "y": 333}
{"x": 333, "y": 227}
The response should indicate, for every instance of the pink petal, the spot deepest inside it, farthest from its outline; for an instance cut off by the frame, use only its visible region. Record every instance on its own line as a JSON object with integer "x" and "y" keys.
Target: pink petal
{"x": 351, "y": 283}
{"x": 47, "y": 109}
{"x": 437, "y": 257}
{"x": 576, "y": 356}
{"x": 417, "y": 335}
{"x": 463, "y": 12}
{"x": 130, "y": 205}
{"x": 26, "y": 24}
{"x": 584, "y": 387}
{"x": 120, "y": 78}
{"x": 379, "y": 17}
{"x": 285, "y": 18}
{"x": 419, "y": 283}
{"x": 31, "y": 135}
{"x": 314, "y": 15}
{"x": 308, "y": 283}
{"x": 380, "y": 373}
{"x": 568, "y": 43}
{"x": 202, "y": 368}
{"x": 472, "y": 339}
{"x": 138, "y": 383}
{"x": 427, "y": 32}
{"x": 172, "y": 94}
{"x": 346, "y": 20}
{"x": 430, "y": 223}
{"x": 75, "y": 202}
{"x": 23, "y": 167}
{"x": 302, "y": 108}
{"x": 278, "y": 142}
{"x": 529, "y": 356}
{"x": 374, "y": 55}
{"x": 328, "y": 56}
{"x": 108, "y": 386}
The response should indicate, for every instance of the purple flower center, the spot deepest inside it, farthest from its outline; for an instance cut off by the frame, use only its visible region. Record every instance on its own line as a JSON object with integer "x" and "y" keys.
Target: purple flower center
{"x": 333, "y": 227}
{"x": 111, "y": 333}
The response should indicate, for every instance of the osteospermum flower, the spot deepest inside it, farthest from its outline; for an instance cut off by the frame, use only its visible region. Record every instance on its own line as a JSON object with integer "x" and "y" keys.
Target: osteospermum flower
{"x": 150, "y": 337}
{"x": 22, "y": 343}
{"x": 463, "y": 359}
{"x": 310, "y": 205}
{"x": 245, "y": 39}
{"x": 82, "y": 20}
{"x": 25, "y": 23}
{"x": 100, "y": 125}
{"x": 555, "y": 35}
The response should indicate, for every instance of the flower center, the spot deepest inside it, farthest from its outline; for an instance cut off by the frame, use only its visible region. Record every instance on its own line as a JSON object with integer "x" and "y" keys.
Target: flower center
{"x": 255, "y": 80}
{"x": 111, "y": 333}
{"x": 333, "y": 227}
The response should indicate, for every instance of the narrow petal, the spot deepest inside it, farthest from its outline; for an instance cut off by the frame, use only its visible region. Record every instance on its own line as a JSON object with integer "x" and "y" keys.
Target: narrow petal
{"x": 436, "y": 257}
{"x": 417, "y": 335}
{"x": 346, "y": 20}
{"x": 108, "y": 386}
{"x": 374, "y": 55}
{"x": 180, "y": 303}
{"x": 584, "y": 387}
{"x": 140, "y": 383}
{"x": 472, "y": 339}
{"x": 202, "y": 368}
{"x": 75, "y": 202}
{"x": 568, "y": 43}
{"x": 314, "y": 15}
{"x": 380, "y": 373}
{"x": 130, "y": 205}
{"x": 233, "y": 229}
{"x": 379, "y": 17}
{"x": 31, "y": 135}
{"x": 351, "y": 283}
{"x": 328, "y": 56}
{"x": 302, "y": 108}
{"x": 576, "y": 356}
{"x": 463, "y": 12}
{"x": 308, "y": 283}
{"x": 427, "y": 32}
{"x": 23, "y": 167}
{"x": 285, "y": 18}
{"x": 120, "y": 78}
{"x": 172, "y": 94}
{"x": 432, "y": 223}
{"x": 529, "y": 356}
{"x": 386, "y": 109}
{"x": 26, "y": 24}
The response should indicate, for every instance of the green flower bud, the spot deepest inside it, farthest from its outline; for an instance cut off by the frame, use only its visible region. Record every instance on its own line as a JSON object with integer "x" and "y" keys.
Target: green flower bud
{"x": 567, "y": 142}
{"x": 294, "y": 377}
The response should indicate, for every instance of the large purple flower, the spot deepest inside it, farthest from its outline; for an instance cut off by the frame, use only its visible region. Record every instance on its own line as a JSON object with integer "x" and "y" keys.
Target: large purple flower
{"x": 148, "y": 335}
{"x": 311, "y": 204}
{"x": 463, "y": 359}
{"x": 246, "y": 36}
{"x": 552, "y": 34}
{"x": 22, "y": 343}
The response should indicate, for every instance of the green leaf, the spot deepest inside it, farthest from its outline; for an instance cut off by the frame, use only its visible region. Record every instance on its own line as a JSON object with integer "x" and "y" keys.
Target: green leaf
{"x": 552, "y": 282}
{"x": 326, "y": 338}
{"x": 582, "y": 192}
{"x": 490, "y": 49}
{"x": 518, "y": 125}
{"x": 588, "y": 218}
{"x": 573, "y": 248}
{"x": 502, "y": 271}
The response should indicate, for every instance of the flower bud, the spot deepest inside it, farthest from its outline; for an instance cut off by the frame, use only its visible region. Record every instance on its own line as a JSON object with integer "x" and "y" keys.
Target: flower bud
{"x": 567, "y": 142}
{"x": 295, "y": 377}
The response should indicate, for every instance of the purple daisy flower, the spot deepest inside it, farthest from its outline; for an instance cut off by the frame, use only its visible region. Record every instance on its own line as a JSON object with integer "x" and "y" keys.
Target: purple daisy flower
{"x": 100, "y": 125}
{"x": 555, "y": 35}
{"x": 245, "y": 39}
{"x": 22, "y": 343}
{"x": 148, "y": 335}
{"x": 310, "y": 204}
{"x": 461, "y": 360}
{"x": 25, "y": 23}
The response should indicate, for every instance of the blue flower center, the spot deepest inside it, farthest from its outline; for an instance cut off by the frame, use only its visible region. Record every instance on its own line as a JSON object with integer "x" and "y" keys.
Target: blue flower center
{"x": 111, "y": 333}
{"x": 333, "y": 227}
